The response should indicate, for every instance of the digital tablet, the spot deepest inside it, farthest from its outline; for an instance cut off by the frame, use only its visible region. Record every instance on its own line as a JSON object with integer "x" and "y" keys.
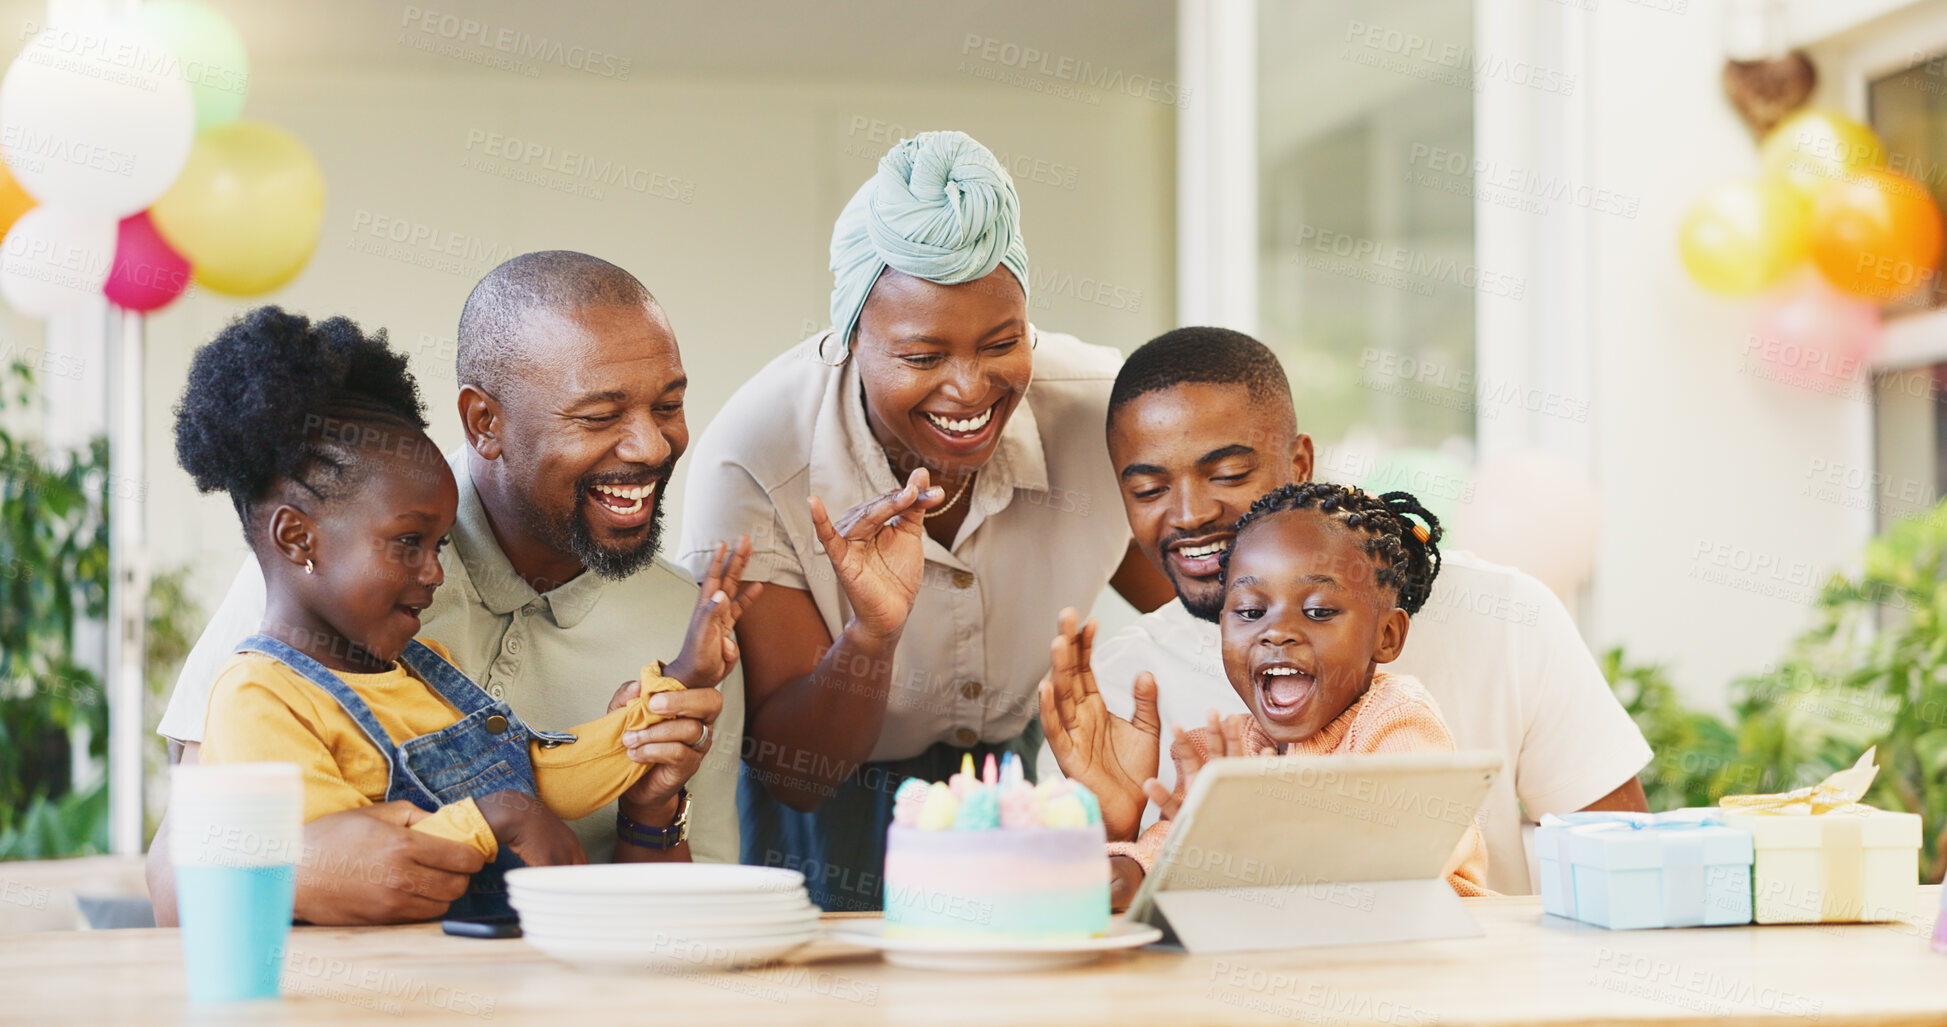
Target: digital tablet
{"x": 1287, "y": 851}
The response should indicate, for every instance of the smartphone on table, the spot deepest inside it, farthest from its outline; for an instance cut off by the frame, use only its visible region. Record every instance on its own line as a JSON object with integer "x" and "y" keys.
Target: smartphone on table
{"x": 508, "y": 926}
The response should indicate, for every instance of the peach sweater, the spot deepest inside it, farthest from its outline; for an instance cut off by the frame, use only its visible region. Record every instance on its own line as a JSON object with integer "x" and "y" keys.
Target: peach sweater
{"x": 1394, "y": 715}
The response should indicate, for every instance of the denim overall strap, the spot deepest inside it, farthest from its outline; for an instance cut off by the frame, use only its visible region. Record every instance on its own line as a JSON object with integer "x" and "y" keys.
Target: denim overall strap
{"x": 354, "y": 706}
{"x": 463, "y": 692}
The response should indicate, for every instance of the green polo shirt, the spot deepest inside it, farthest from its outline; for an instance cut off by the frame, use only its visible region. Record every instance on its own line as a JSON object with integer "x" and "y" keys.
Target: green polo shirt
{"x": 556, "y": 657}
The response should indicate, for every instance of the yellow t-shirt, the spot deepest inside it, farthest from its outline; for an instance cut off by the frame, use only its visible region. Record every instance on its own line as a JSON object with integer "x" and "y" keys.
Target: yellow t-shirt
{"x": 261, "y": 710}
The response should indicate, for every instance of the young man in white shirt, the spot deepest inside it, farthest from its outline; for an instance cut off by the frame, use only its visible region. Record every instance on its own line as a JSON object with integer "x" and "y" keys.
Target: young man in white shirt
{"x": 1200, "y": 424}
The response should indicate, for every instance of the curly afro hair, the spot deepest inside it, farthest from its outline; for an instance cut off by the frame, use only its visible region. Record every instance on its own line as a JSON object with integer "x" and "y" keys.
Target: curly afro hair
{"x": 1407, "y": 554}
{"x": 273, "y": 398}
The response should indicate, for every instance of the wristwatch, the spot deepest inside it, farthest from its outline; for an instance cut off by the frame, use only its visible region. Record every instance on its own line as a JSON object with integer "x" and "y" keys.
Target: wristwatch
{"x": 657, "y": 838}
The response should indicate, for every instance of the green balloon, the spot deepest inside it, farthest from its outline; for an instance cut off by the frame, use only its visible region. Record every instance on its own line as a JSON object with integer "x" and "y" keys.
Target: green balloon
{"x": 1440, "y": 482}
{"x": 211, "y": 54}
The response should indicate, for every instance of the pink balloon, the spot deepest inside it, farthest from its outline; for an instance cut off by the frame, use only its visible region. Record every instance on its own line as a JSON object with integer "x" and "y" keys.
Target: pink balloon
{"x": 1536, "y": 511}
{"x": 1812, "y": 336}
{"x": 148, "y": 273}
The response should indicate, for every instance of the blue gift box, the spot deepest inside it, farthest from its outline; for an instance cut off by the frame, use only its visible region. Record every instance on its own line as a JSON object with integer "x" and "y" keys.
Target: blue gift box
{"x": 1632, "y": 870}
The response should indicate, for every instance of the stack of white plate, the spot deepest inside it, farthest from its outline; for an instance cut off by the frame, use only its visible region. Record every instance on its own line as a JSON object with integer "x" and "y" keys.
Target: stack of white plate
{"x": 663, "y": 916}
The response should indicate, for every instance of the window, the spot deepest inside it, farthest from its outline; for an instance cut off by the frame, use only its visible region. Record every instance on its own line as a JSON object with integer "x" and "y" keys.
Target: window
{"x": 1366, "y": 222}
{"x": 1908, "y": 109}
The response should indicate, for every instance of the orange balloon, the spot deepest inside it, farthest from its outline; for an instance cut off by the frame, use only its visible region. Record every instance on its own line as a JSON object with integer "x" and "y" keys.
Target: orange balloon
{"x": 1876, "y": 235}
{"x": 14, "y": 200}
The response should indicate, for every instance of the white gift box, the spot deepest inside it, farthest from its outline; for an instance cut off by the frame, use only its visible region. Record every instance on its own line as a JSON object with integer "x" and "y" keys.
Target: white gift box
{"x": 1852, "y": 864}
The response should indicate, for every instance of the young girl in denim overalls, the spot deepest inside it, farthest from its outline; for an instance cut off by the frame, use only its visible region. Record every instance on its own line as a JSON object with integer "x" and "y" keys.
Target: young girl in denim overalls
{"x": 317, "y": 434}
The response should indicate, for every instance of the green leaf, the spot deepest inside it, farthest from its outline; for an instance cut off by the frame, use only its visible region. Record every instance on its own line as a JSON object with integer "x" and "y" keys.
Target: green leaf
{"x": 1931, "y": 748}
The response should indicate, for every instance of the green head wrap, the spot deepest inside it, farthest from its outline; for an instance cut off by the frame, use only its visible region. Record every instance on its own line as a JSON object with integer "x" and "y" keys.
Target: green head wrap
{"x": 940, "y": 208}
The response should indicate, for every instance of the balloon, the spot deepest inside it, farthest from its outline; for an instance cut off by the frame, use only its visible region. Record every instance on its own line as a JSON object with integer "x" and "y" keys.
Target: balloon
{"x": 147, "y": 273}
{"x": 1813, "y": 149}
{"x": 1438, "y": 481}
{"x": 247, "y": 209}
{"x": 54, "y": 259}
{"x": 1812, "y": 336}
{"x": 94, "y": 118}
{"x": 14, "y": 200}
{"x": 1537, "y": 512}
{"x": 1743, "y": 236}
{"x": 1876, "y": 236}
{"x": 209, "y": 52}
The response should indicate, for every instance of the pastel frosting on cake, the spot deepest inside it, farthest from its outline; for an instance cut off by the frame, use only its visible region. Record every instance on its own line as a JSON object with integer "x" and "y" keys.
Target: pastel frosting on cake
{"x": 994, "y": 856}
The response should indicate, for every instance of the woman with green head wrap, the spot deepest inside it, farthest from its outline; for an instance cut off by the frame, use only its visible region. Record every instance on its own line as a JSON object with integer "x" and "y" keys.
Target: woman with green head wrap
{"x": 912, "y": 629}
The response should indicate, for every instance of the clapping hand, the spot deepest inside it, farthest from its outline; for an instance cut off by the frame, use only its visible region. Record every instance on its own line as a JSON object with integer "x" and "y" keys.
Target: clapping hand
{"x": 878, "y": 550}
{"x": 710, "y": 647}
{"x": 1111, "y": 756}
{"x": 1223, "y": 737}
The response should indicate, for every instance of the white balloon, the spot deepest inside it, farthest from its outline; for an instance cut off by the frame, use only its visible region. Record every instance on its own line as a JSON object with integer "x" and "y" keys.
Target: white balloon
{"x": 53, "y": 259}
{"x": 96, "y": 117}
{"x": 1537, "y": 512}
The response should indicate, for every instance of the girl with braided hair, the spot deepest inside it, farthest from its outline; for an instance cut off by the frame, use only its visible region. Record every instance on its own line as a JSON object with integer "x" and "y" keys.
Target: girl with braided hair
{"x": 317, "y": 434}
{"x": 1319, "y": 588}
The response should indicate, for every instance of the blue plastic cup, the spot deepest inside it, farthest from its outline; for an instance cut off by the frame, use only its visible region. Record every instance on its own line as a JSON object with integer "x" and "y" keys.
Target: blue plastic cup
{"x": 236, "y": 830}
{"x": 235, "y": 921}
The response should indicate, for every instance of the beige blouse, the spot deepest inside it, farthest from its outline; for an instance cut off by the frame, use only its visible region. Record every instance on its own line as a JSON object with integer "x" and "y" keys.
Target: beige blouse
{"x": 1045, "y": 529}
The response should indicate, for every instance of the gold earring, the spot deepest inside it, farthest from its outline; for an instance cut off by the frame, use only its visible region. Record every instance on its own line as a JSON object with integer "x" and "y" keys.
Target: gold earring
{"x": 307, "y": 565}
{"x": 844, "y": 354}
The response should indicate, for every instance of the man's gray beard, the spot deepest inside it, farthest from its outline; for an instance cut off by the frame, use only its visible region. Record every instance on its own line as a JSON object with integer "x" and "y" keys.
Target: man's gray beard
{"x": 571, "y": 535}
{"x": 611, "y": 564}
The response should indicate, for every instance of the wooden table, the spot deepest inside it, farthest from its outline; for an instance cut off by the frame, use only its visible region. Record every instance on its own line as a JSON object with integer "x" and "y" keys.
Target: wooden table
{"x": 1527, "y": 969}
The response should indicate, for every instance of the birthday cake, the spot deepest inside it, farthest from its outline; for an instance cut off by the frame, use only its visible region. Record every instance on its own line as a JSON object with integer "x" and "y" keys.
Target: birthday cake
{"x": 994, "y": 856}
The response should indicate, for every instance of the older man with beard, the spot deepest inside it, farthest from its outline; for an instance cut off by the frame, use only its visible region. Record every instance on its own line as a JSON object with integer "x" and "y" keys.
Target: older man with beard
{"x": 571, "y": 396}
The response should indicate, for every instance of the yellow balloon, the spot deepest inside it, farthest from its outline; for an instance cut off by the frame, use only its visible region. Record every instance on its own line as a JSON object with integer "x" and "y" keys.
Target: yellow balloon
{"x": 1813, "y": 149}
{"x": 246, "y": 209}
{"x": 1743, "y": 236}
{"x": 14, "y": 200}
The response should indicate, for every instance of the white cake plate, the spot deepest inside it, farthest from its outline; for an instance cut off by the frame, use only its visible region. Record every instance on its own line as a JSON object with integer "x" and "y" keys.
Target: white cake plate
{"x": 990, "y": 955}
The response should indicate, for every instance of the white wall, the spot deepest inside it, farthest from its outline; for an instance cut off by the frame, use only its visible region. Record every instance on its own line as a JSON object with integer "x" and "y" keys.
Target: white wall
{"x": 1716, "y": 536}
{"x": 740, "y": 264}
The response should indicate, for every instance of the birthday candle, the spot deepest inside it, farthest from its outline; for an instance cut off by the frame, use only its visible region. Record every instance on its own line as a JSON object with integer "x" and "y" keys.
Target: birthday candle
{"x": 1011, "y": 771}
{"x": 988, "y": 775}
{"x": 964, "y": 781}
{"x": 909, "y": 802}
{"x": 940, "y": 810}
